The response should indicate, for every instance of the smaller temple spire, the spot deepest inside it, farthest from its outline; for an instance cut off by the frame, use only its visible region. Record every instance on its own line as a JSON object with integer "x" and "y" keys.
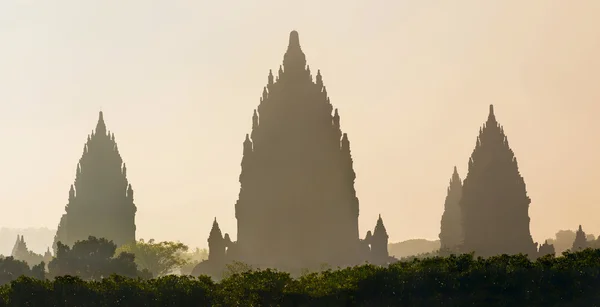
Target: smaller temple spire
{"x": 580, "y": 241}
{"x": 378, "y": 242}
{"x": 129, "y": 191}
{"x": 345, "y": 143}
{"x": 215, "y": 235}
{"x": 71, "y": 194}
{"x": 270, "y": 77}
{"x": 254, "y": 120}
{"x": 336, "y": 119}
{"x": 217, "y": 244}
{"x": 455, "y": 179}
{"x": 319, "y": 80}
{"x": 247, "y": 145}
{"x": 380, "y": 228}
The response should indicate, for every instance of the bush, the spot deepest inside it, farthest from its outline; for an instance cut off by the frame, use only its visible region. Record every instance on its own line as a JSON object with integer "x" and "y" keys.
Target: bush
{"x": 438, "y": 281}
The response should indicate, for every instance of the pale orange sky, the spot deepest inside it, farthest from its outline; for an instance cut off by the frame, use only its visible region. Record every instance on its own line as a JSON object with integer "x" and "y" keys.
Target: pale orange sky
{"x": 178, "y": 81}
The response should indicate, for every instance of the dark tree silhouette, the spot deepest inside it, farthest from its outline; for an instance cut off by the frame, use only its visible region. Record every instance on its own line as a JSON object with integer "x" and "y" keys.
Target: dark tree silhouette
{"x": 91, "y": 259}
{"x": 11, "y": 269}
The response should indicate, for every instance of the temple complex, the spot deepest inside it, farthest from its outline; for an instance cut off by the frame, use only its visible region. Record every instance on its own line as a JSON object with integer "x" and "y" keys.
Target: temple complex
{"x": 100, "y": 201}
{"x": 451, "y": 235}
{"x": 494, "y": 202}
{"x": 297, "y": 207}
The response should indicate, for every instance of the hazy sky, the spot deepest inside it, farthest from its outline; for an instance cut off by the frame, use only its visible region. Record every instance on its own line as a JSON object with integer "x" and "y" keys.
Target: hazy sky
{"x": 413, "y": 79}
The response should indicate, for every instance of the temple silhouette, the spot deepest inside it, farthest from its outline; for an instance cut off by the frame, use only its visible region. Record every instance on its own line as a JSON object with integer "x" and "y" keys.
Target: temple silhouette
{"x": 451, "y": 233}
{"x": 100, "y": 201}
{"x": 297, "y": 207}
{"x": 21, "y": 252}
{"x": 546, "y": 249}
{"x": 580, "y": 242}
{"x": 494, "y": 204}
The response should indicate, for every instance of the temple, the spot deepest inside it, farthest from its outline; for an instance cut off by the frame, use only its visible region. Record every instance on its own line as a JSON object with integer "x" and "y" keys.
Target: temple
{"x": 546, "y": 249}
{"x": 375, "y": 245}
{"x": 451, "y": 235}
{"x": 100, "y": 201}
{"x": 494, "y": 202}
{"x": 297, "y": 207}
{"x": 22, "y": 253}
{"x": 580, "y": 242}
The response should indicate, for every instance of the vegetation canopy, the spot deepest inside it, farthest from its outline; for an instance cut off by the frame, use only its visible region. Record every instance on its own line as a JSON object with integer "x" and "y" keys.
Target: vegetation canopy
{"x": 449, "y": 281}
{"x": 159, "y": 258}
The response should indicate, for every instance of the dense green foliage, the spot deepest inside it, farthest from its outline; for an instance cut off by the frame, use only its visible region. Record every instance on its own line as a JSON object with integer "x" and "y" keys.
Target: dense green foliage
{"x": 93, "y": 259}
{"x": 158, "y": 258}
{"x": 570, "y": 280}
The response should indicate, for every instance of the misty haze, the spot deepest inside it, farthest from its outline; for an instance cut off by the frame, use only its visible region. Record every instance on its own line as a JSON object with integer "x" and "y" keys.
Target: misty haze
{"x": 150, "y": 140}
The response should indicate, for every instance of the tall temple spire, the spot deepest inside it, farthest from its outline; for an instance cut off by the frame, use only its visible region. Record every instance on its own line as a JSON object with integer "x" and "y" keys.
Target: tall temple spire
{"x": 494, "y": 204}
{"x": 100, "y": 201}
{"x": 451, "y": 224}
{"x": 296, "y": 170}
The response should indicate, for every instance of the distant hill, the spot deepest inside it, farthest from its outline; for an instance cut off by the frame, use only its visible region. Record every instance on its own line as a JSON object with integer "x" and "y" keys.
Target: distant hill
{"x": 37, "y": 239}
{"x": 412, "y": 247}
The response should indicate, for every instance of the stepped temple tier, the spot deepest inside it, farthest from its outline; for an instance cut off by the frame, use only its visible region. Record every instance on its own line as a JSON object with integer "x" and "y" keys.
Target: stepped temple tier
{"x": 100, "y": 201}
{"x": 494, "y": 204}
{"x": 297, "y": 207}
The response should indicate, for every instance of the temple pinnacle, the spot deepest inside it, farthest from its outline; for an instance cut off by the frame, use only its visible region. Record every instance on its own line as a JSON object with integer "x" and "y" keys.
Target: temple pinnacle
{"x": 294, "y": 40}
{"x": 491, "y": 116}
{"x": 101, "y": 126}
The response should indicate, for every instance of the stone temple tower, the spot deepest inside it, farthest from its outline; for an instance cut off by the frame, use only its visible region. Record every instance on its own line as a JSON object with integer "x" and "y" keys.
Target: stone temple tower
{"x": 297, "y": 206}
{"x": 451, "y": 236}
{"x": 494, "y": 203}
{"x": 101, "y": 199}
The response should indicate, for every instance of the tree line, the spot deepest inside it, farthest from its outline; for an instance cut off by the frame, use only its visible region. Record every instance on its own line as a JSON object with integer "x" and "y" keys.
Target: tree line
{"x": 463, "y": 280}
